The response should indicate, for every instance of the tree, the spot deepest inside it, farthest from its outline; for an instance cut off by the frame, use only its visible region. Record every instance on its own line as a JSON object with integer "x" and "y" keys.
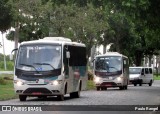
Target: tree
{"x": 5, "y": 21}
{"x": 6, "y": 15}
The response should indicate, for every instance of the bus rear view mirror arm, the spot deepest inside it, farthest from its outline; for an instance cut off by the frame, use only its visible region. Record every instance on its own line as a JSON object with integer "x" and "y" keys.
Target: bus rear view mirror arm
{"x": 11, "y": 55}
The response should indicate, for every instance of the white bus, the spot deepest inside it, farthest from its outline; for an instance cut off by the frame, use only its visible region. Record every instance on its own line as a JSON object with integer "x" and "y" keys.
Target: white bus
{"x": 53, "y": 66}
{"x": 111, "y": 70}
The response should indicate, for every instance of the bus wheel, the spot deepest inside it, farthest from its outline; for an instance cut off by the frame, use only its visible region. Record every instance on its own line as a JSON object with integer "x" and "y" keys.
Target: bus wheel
{"x": 135, "y": 84}
{"x": 76, "y": 94}
{"x": 98, "y": 88}
{"x": 121, "y": 87}
{"x": 126, "y": 87}
{"x": 60, "y": 97}
{"x": 150, "y": 83}
{"x": 22, "y": 97}
{"x": 140, "y": 84}
{"x": 105, "y": 88}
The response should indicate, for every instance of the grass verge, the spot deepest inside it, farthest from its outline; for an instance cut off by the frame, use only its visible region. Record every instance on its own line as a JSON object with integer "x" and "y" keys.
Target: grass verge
{"x": 7, "y": 90}
{"x": 156, "y": 77}
{"x": 90, "y": 85}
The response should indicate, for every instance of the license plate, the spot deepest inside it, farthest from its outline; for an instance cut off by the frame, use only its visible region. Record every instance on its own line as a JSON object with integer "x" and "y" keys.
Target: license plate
{"x": 38, "y": 81}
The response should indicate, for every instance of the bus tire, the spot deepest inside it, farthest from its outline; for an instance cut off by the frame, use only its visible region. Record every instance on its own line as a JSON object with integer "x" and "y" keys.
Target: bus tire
{"x": 126, "y": 87}
{"x": 140, "y": 84}
{"x": 60, "y": 97}
{"x": 98, "y": 88}
{"x": 22, "y": 97}
{"x": 77, "y": 93}
{"x": 150, "y": 83}
{"x": 135, "y": 84}
{"x": 121, "y": 87}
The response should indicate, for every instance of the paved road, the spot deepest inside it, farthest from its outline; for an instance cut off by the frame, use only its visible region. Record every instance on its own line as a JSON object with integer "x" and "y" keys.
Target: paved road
{"x": 139, "y": 95}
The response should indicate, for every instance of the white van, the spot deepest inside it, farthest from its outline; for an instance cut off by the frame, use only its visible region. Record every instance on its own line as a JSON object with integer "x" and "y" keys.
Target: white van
{"x": 141, "y": 75}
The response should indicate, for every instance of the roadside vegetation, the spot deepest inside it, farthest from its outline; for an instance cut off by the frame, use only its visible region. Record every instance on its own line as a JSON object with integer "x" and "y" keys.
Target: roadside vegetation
{"x": 156, "y": 77}
{"x": 6, "y": 87}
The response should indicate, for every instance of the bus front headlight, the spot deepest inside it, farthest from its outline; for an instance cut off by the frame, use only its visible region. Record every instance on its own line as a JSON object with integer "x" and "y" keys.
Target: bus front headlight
{"x": 56, "y": 82}
{"x": 119, "y": 79}
{"x": 19, "y": 83}
{"x": 97, "y": 79}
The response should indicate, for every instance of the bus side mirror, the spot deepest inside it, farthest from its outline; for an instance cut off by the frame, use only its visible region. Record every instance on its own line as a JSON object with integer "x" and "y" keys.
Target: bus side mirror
{"x": 11, "y": 57}
{"x": 67, "y": 54}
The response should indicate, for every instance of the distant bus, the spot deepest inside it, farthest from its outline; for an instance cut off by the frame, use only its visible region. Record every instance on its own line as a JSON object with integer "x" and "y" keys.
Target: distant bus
{"x": 111, "y": 70}
{"x": 53, "y": 66}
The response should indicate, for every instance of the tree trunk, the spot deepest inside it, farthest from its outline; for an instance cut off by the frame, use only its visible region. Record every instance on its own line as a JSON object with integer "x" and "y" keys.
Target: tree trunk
{"x": 104, "y": 48}
{"x": 138, "y": 57}
{"x": 4, "y": 55}
{"x": 150, "y": 60}
{"x": 16, "y": 37}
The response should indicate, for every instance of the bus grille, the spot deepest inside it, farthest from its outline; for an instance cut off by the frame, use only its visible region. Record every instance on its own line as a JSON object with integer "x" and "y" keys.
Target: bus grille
{"x": 37, "y": 90}
{"x": 108, "y": 84}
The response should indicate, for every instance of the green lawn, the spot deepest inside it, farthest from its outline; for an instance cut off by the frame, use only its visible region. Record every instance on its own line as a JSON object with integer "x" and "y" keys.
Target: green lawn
{"x": 7, "y": 91}
{"x": 156, "y": 78}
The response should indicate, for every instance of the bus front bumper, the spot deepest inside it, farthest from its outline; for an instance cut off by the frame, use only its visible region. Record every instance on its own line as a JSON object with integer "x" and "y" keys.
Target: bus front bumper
{"x": 37, "y": 90}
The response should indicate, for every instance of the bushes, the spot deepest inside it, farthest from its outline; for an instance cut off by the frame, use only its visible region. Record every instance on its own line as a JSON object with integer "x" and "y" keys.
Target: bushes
{"x": 2, "y": 81}
{"x": 9, "y": 64}
{"x": 90, "y": 75}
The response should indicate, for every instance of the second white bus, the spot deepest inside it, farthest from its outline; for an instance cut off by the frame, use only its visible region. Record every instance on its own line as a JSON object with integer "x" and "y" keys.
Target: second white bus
{"x": 111, "y": 70}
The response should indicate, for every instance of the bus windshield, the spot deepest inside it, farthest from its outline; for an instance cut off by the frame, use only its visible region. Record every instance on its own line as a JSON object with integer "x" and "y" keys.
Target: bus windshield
{"x": 134, "y": 70}
{"x": 39, "y": 57}
{"x": 109, "y": 63}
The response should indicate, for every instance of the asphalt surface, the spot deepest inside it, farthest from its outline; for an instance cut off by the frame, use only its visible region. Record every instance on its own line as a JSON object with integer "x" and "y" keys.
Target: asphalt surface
{"x": 139, "y": 95}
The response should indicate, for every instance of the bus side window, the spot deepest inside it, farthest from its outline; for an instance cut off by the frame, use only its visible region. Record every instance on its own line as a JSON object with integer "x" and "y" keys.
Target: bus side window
{"x": 65, "y": 61}
{"x": 125, "y": 65}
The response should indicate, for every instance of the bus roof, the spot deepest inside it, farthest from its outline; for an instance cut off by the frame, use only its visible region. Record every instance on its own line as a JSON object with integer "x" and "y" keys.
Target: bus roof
{"x": 112, "y": 54}
{"x": 54, "y": 40}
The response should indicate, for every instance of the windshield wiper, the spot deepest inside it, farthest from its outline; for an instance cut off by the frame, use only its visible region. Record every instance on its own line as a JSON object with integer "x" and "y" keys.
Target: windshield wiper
{"x": 114, "y": 68}
{"x": 30, "y": 66}
{"x": 44, "y": 64}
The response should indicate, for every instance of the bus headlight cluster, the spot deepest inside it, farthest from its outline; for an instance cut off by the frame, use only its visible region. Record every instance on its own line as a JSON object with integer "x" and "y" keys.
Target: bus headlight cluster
{"x": 56, "y": 82}
{"x": 120, "y": 79}
{"x": 97, "y": 79}
{"x": 18, "y": 82}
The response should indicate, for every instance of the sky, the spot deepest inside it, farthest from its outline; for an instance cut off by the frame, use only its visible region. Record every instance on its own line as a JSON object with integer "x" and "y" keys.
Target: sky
{"x": 8, "y": 45}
